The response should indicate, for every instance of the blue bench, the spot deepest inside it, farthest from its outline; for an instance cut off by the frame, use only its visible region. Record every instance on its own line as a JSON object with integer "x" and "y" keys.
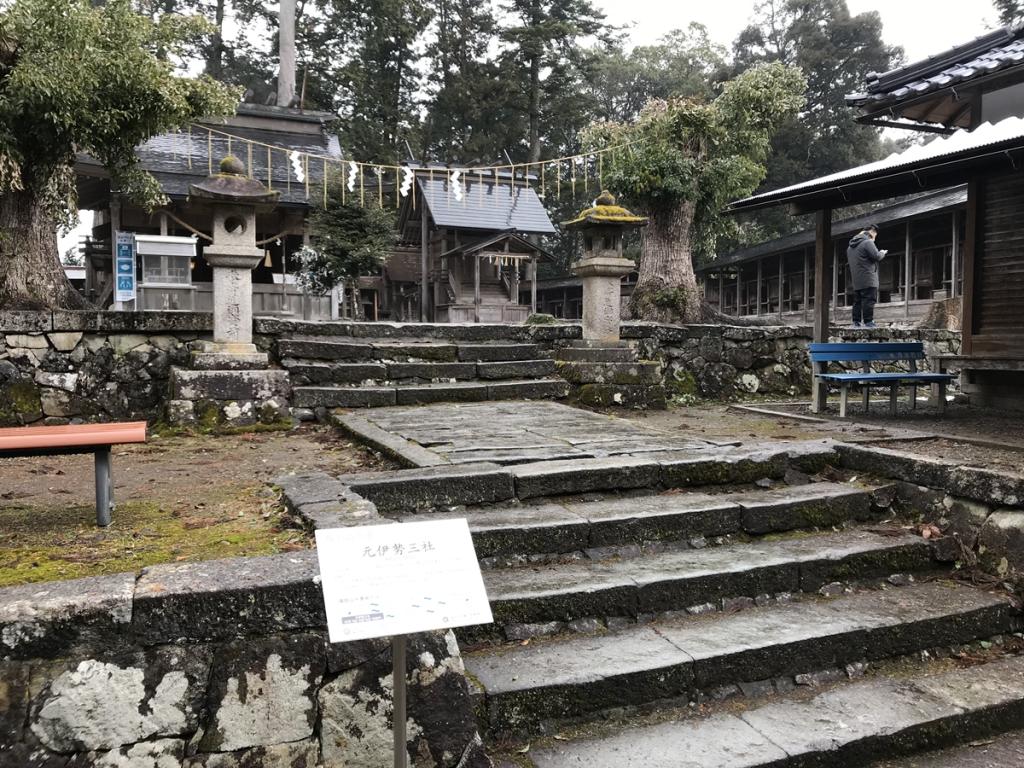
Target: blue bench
{"x": 867, "y": 353}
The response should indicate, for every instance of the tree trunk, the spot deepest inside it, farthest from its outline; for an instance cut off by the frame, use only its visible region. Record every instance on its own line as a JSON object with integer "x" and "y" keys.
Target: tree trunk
{"x": 215, "y": 54}
{"x": 31, "y": 275}
{"x": 666, "y": 290}
{"x": 534, "y": 155}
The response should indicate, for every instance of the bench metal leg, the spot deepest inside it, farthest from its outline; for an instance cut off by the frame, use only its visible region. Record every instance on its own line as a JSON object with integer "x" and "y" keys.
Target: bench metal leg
{"x": 843, "y": 392}
{"x": 104, "y": 487}
{"x": 942, "y": 397}
{"x": 866, "y": 394}
{"x": 893, "y": 402}
{"x": 913, "y": 397}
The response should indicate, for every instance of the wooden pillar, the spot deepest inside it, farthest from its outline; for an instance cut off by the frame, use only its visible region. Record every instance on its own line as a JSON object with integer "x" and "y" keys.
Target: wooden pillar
{"x": 163, "y": 225}
{"x": 760, "y": 277}
{"x": 721, "y": 293}
{"x": 424, "y": 259}
{"x": 533, "y": 286}
{"x": 807, "y": 283}
{"x": 476, "y": 288}
{"x": 115, "y": 227}
{"x": 908, "y": 267}
{"x": 739, "y": 279}
{"x": 822, "y": 243}
{"x": 970, "y": 256}
{"x": 782, "y": 276}
{"x": 954, "y": 255}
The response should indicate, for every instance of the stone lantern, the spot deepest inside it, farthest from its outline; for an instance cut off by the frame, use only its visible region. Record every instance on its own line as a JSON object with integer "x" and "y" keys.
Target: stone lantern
{"x": 229, "y": 381}
{"x": 602, "y": 369}
{"x": 603, "y": 265}
{"x": 233, "y": 201}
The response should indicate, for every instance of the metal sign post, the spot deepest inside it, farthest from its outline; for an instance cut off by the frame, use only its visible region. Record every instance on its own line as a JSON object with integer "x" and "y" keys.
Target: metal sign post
{"x": 398, "y": 702}
{"x": 394, "y": 580}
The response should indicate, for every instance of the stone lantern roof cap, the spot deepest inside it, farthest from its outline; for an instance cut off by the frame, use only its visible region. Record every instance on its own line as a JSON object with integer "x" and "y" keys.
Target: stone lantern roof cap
{"x": 232, "y": 185}
{"x": 605, "y": 211}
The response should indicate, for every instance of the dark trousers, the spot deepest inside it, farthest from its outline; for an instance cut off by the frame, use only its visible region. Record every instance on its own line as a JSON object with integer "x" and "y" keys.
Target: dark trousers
{"x": 864, "y": 305}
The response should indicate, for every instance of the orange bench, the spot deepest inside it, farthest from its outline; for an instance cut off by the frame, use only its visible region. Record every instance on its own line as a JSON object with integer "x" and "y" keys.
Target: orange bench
{"x": 96, "y": 439}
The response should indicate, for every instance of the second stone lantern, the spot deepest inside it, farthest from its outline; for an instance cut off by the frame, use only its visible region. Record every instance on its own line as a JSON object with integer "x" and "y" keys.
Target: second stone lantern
{"x": 603, "y": 265}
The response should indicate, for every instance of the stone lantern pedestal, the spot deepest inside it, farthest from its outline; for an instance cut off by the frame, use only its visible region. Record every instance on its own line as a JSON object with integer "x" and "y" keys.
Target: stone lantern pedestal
{"x": 602, "y": 295}
{"x": 604, "y": 370}
{"x": 229, "y": 380}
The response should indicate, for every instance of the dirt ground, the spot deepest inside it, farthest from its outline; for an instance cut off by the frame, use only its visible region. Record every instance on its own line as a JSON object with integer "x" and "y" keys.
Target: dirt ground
{"x": 178, "y": 498}
{"x": 965, "y": 453}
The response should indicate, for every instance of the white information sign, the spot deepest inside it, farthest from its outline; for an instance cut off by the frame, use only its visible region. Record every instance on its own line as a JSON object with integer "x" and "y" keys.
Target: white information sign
{"x": 397, "y": 579}
{"x": 124, "y": 267}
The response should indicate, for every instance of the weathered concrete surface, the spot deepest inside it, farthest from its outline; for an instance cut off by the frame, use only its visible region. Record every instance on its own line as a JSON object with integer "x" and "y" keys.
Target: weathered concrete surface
{"x": 675, "y": 580}
{"x": 101, "y": 705}
{"x": 228, "y": 385}
{"x": 47, "y": 619}
{"x": 214, "y": 600}
{"x": 581, "y": 675}
{"x": 723, "y": 741}
{"x": 342, "y": 397}
{"x": 581, "y": 475}
{"x": 850, "y": 725}
{"x": 315, "y": 372}
{"x": 264, "y": 692}
{"x": 442, "y": 486}
{"x": 1001, "y": 541}
{"x": 1001, "y": 752}
{"x": 818, "y": 505}
{"x": 515, "y": 369}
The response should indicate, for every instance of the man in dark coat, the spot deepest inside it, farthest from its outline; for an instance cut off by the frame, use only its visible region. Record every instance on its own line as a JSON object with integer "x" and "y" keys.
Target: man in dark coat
{"x": 863, "y": 257}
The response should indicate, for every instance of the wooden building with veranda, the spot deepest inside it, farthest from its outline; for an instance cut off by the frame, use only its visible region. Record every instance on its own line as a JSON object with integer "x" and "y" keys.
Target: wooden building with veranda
{"x": 972, "y": 98}
{"x": 775, "y": 279}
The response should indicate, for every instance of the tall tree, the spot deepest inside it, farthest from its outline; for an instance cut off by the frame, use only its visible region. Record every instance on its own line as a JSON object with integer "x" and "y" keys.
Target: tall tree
{"x": 1010, "y": 11}
{"x": 685, "y": 62}
{"x": 545, "y": 37}
{"x": 77, "y": 78}
{"x": 686, "y": 159}
{"x": 835, "y": 51}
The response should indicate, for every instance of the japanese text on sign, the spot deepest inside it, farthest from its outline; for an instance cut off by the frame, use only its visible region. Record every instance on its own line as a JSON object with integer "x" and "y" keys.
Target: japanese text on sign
{"x": 401, "y": 578}
{"x": 124, "y": 267}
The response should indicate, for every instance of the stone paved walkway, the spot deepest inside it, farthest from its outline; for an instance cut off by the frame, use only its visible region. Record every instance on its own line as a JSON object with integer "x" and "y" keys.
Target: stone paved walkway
{"x": 510, "y": 432}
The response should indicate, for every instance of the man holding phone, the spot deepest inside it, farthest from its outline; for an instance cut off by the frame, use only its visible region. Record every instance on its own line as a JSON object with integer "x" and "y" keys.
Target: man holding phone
{"x": 863, "y": 257}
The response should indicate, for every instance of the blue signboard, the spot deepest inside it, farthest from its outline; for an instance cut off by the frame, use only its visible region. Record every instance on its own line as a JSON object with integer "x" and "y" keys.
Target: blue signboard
{"x": 124, "y": 267}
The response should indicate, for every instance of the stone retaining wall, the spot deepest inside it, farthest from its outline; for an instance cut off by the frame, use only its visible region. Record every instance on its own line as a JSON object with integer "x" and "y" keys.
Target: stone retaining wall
{"x": 222, "y": 664}
{"x": 714, "y": 361}
{"x": 57, "y": 367}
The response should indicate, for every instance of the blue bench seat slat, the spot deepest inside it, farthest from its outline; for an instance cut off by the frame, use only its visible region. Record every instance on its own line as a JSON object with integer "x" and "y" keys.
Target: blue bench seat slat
{"x": 886, "y": 377}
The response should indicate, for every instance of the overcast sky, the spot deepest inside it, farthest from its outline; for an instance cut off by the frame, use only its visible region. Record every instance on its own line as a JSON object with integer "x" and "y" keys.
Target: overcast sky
{"x": 922, "y": 27}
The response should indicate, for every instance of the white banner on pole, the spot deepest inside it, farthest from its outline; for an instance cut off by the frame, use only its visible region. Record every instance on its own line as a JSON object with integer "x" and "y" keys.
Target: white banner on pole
{"x": 124, "y": 267}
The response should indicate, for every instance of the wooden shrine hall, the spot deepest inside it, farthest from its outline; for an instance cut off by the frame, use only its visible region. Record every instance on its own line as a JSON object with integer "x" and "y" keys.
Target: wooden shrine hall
{"x": 466, "y": 250}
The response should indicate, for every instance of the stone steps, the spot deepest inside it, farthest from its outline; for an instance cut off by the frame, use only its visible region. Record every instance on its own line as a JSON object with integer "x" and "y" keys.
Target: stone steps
{"x": 668, "y": 581}
{"x": 412, "y": 394}
{"x": 566, "y": 678}
{"x": 375, "y": 372}
{"x": 851, "y": 725}
{"x": 559, "y": 527}
{"x": 402, "y": 350}
{"x": 1001, "y": 752}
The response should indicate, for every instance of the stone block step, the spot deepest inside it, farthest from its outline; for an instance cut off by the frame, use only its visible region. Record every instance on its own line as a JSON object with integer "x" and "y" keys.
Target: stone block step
{"x": 412, "y": 394}
{"x": 487, "y": 353}
{"x": 305, "y": 371}
{"x": 562, "y": 527}
{"x": 331, "y": 348}
{"x": 1004, "y": 751}
{"x": 850, "y": 725}
{"x": 526, "y": 686}
{"x": 676, "y": 580}
{"x": 639, "y": 372}
{"x": 516, "y": 369}
{"x": 597, "y": 354}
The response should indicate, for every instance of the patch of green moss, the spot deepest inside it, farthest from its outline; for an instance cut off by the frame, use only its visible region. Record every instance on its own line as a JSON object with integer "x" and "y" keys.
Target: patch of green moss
{"x": 54, "y": 543}
{"x": 19, "y": 403}
{"x": 539, "y": 318}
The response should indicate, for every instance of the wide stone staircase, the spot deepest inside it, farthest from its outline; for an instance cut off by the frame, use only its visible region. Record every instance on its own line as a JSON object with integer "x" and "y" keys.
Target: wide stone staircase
{"x": 356, "y": 372}
{"x": 744, "y": 610}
